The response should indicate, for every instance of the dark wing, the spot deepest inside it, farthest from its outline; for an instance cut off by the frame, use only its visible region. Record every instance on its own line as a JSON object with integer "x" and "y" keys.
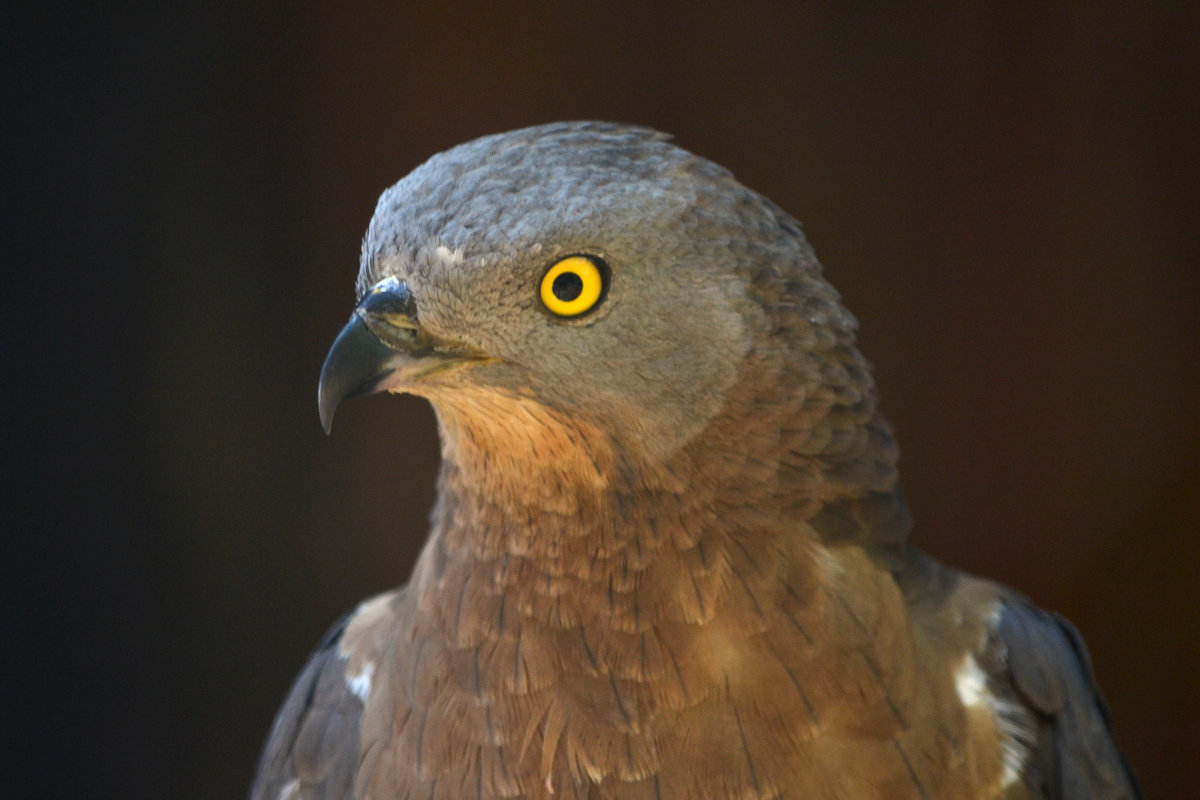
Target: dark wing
{"x": 314, "y": 746}
{"x": 1041, "y": 664}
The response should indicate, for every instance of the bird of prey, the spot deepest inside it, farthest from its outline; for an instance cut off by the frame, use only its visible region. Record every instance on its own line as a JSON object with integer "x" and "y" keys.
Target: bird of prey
{"x": 668, "y": 558}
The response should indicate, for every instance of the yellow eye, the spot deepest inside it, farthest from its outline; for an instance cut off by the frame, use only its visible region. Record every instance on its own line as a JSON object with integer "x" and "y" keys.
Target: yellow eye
{"x": 572, "y": 286}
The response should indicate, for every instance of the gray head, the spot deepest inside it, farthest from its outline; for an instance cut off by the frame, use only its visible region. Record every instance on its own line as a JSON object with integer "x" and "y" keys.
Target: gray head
{"x": 709, "y": 300}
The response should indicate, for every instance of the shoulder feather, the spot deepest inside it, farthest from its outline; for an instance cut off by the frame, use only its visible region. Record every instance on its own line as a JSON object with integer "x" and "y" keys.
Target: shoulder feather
{"x": 315, "y": 742}
{"x": 1041, "y": 664}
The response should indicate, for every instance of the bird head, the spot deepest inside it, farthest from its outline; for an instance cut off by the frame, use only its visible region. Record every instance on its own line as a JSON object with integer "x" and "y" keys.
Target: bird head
{"x": 591, "y": 291}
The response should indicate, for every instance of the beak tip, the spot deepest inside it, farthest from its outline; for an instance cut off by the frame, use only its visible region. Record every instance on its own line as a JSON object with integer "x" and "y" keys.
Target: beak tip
{"x": 326, "y": 403}
{"x": 329, "y": 397}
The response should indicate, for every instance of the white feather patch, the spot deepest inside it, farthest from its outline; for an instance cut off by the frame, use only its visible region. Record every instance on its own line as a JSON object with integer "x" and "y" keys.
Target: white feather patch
{"x": 448, "y": 256}
{"x": 360, "y": 684}
{"x": 1013, "y": 722}
{"x": 970, "y": 682}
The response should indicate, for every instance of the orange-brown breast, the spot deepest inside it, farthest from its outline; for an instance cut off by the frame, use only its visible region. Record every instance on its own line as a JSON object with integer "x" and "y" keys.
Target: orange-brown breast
{"x": 779, "y": 669}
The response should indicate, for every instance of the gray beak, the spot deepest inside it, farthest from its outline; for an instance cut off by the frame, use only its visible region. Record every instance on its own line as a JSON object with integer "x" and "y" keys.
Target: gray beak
{"x": 381, "y": 336}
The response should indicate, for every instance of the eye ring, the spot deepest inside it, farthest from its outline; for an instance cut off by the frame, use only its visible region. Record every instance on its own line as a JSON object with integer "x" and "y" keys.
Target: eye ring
{"x": 574, "y": 286}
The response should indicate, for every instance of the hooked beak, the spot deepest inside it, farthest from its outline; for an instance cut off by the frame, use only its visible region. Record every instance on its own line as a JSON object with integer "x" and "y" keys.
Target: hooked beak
{"x": 381, "y": 339}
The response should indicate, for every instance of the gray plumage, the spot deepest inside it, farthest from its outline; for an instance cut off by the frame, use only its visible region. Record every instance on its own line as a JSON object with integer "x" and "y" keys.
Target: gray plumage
{"x": 668, "y": 558}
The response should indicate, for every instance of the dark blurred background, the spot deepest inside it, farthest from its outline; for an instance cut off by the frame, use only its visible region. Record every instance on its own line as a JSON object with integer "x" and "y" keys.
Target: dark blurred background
{"x": 1006, "y": 198}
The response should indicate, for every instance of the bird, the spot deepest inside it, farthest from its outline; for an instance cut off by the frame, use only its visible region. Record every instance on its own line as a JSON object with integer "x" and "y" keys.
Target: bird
{"x": 669, "y": 556}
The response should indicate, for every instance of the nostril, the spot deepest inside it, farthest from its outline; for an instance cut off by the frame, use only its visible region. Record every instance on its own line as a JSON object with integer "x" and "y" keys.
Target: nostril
{"x": 395, "y": 329}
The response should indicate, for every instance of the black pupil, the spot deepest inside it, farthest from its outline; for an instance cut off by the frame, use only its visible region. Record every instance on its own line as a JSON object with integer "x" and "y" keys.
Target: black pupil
{"x": 567, "y": 286}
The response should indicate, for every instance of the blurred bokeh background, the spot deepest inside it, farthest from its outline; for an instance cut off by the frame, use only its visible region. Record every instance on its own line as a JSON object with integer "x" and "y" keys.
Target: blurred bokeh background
{"x": 1007, "y": 198}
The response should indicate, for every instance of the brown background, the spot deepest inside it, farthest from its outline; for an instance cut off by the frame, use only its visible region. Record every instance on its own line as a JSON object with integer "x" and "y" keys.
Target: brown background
{"x": 1007, "y": 199}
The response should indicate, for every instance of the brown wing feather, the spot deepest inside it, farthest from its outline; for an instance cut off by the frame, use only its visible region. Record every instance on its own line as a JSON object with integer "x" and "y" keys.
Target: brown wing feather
{"x": 1044, "y": 666}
